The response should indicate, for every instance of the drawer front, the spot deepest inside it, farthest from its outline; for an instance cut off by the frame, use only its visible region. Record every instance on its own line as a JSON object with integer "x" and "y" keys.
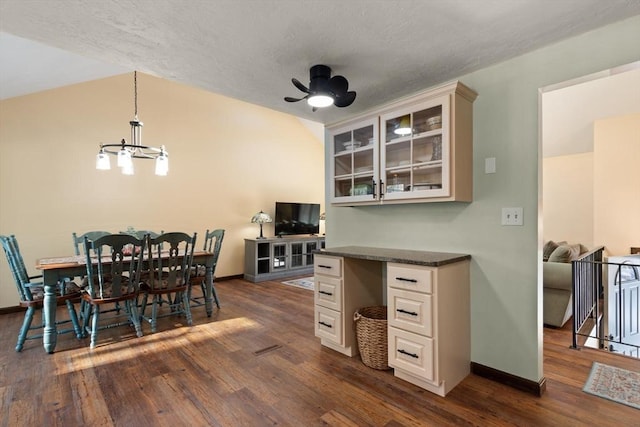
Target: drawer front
{"x": 410, "y": 277}
{"x": 411, "y": 311}
{"x": 328, "y": 324}
{"x": 327, "y": 265}
{"x": 328, "y": 292}
{"x": 412, "y": 353}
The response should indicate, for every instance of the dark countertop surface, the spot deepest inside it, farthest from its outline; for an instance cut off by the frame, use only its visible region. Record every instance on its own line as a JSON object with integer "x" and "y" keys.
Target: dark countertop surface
{"x": 404, "y": 256}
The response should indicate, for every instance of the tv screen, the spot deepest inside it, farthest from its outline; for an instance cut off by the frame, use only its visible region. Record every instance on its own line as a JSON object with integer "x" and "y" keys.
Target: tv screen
{"x": 297, "y": 218}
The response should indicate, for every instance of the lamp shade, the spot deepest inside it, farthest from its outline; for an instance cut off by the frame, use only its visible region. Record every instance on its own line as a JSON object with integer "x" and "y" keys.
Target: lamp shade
{"x": 261, "y": 218}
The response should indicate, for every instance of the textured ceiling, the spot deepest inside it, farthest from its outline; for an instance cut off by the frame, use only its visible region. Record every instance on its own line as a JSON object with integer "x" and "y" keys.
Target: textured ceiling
{"x": 250, "y": 49}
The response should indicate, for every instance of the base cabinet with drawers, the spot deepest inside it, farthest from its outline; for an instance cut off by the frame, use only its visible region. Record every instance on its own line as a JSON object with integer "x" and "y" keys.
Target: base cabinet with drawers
{"x": 335, "y": 307}
{"x": 428, "y": 315}
{"x": 428, "y": 309}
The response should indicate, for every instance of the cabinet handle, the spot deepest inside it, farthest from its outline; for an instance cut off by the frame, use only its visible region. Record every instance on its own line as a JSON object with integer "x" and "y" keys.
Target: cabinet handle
{"x": 415, "y": 356}
{"x": 325, "y": 292}
{"x": 374, "y": 189}
{"x": 326, "y": 324}
{"x": 381, "y": 189}
{"x": 412, "y": 313}
{"x": 402, "y": 279}
{"x": 324, "y": 266}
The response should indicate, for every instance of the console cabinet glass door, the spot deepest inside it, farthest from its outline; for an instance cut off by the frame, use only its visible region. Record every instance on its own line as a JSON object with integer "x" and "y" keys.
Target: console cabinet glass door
{"x": 279, "y": 256}
{"x": 297, "y": 255}
{"x": 354, "y": 162}
{"x": 414, "y": 154}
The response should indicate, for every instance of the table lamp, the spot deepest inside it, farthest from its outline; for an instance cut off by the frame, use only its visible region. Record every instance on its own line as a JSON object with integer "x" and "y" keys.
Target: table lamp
{"x": 261, "y": 218}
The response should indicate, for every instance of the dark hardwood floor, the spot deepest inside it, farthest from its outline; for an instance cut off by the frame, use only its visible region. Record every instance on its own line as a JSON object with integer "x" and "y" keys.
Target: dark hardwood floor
{"x": 256, "y": 362}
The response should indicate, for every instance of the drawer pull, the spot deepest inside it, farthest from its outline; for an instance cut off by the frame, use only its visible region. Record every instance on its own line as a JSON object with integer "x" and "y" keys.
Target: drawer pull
{"x": 325, "y": 292}
{"x": 402, "y": 279}
{"x": 411, "y": 313}
{"x": 324, "y": 266}
{"x": 326, "y": 324}
{"x": 415, "y": 356}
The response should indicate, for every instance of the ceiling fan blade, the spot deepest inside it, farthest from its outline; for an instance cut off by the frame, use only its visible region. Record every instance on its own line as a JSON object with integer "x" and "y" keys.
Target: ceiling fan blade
{"x": 345, "y": 100}
{"x": 338, "y": 85}
{"x": 299, "y": 85}
{"x": 290, "y": 99}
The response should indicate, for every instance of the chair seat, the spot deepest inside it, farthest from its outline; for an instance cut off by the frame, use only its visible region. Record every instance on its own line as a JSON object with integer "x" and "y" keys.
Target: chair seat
{"x": 71, "y": 290}
{"x": 107, "y": 292}
{"x": 161, "y": 286}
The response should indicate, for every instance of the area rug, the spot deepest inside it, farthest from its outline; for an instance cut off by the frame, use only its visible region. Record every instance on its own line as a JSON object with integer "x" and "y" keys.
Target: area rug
{"x": 305, "y": 282}
{"x": 615, "y": 384}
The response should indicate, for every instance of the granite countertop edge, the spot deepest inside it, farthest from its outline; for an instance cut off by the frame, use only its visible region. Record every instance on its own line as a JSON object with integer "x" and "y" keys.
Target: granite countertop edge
{"x": 403, "y": 256}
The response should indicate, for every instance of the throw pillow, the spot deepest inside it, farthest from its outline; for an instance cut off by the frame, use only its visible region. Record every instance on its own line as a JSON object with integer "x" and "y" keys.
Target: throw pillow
{"x": 548, "y": 249}
{"x": 562, "y": 253}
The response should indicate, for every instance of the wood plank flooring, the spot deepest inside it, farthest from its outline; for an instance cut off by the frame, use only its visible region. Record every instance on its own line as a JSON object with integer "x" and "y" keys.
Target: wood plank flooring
{"x": 255, "y": 362}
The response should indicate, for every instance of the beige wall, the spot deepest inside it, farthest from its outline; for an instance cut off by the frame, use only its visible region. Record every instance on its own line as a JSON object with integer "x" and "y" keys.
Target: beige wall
{"x": 228, "y": 160}
{"x": 594, "y": 198}
{"x": 568, "y": 198}
{"x": 617, "y": 183}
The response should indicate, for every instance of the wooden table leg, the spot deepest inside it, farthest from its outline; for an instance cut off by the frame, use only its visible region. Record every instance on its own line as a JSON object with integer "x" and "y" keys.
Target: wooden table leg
{"x": 50, "y": 333}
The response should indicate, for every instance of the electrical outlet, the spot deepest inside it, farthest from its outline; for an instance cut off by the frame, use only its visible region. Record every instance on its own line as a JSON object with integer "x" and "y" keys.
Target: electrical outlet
{"x": 512, "y": 216}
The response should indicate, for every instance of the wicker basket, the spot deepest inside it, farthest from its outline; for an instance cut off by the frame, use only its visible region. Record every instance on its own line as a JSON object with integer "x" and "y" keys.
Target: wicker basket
{"x": 371, "y": 333}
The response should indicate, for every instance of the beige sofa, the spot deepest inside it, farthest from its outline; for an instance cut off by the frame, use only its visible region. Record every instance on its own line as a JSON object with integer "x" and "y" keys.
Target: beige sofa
{"x": 556, "y": 278}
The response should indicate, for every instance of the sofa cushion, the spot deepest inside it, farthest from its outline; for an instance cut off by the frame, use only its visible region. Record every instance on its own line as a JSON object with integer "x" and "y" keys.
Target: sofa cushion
{"x": 548, "y": 249}
{"x": 565, "y": 253}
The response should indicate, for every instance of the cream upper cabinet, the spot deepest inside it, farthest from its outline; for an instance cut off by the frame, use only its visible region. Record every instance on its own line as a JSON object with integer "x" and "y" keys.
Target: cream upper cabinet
{"x": 354, "y": 162}
{"x": 416, "y": 150}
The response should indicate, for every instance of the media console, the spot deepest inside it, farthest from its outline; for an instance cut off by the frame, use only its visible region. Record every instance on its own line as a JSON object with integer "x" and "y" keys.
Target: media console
{"x": 279, "y": 257}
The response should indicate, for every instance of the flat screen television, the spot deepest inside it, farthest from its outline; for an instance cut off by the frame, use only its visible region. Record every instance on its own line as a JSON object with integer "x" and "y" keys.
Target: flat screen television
{"x": 297, "y": 218}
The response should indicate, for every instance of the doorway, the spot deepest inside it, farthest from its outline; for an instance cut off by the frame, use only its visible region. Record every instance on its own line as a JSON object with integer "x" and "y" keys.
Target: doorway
{"x": 579, "y": 200}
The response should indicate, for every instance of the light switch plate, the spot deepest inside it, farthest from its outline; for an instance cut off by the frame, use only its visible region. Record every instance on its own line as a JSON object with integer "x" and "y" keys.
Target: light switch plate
{"x": 490, "y": 165}
{"x": 512, "y": 216}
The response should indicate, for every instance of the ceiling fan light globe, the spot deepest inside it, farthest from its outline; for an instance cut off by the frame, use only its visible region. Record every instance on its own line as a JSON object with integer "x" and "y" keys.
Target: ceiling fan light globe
{"x": 402, "y": 131}
{"x": 320, "y": 101}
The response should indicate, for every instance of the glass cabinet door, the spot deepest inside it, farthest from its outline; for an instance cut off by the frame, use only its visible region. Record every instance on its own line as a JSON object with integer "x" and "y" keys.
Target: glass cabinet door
{"x": 279, "y": 256}
{"x": 414, "y": 157}
{"x": 354, "y": 162}
{"x": 297, "y": 254}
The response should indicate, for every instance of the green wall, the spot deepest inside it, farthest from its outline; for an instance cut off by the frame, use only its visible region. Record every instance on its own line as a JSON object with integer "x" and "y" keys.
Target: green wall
{"x": 506, "y": 294}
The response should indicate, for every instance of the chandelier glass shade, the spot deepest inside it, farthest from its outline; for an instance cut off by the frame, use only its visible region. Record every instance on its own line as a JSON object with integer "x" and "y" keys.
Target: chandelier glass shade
{"x": 126, "y": 152}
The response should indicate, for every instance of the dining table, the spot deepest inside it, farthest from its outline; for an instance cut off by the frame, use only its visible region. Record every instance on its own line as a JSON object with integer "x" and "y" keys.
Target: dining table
{"x": 55, "y": 269}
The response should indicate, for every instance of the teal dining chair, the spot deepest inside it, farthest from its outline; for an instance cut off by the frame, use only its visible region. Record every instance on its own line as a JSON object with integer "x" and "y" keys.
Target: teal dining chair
{"x": 31, "y": 295}
{"x": 212, "y": 243}
{"x": 113, "y": 277}
{"x": 170, "y": 259}
{"x": 78, "y": 241}
{"x": 141, "y": 233}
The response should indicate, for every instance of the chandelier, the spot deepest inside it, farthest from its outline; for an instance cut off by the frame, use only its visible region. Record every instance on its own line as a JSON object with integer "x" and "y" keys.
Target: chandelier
{"x": 126, "y": 152}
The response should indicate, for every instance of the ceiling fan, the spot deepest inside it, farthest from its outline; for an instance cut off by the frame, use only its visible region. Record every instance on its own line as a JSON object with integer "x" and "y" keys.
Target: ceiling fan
{"x": 324, "y": 90}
